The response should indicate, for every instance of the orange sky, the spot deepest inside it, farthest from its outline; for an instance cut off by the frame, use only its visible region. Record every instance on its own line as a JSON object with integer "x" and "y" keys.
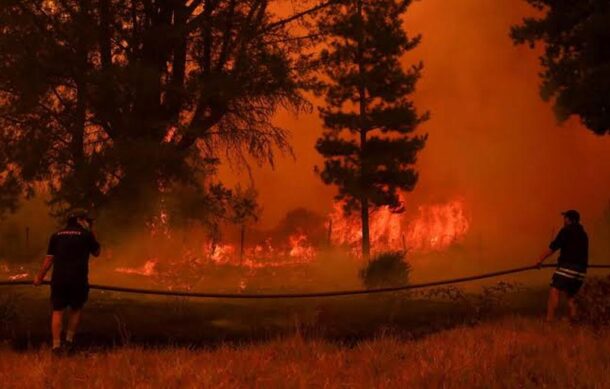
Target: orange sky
{"x": 492, "y": 140}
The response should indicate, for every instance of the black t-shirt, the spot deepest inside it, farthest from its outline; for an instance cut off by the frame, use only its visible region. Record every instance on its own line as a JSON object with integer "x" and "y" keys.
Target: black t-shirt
{"x": 573, "y": 242}
{"x": 70, "y": 249}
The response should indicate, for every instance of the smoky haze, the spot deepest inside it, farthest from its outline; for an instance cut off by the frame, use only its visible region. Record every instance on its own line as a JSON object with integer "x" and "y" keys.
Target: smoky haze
{"x": 492, "y": 140}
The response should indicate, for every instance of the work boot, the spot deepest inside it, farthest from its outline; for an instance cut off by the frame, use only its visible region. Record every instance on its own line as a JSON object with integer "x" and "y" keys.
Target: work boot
{"x": 57, "y": 352}
{"x": 70, "y": 348}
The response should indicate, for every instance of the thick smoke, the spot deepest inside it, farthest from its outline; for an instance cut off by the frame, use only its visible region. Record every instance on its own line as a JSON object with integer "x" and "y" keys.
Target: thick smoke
{"x": 493, "y": 141}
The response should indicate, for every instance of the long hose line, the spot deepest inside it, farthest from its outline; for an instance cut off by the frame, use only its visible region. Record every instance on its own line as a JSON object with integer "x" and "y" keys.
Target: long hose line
{"x": 337, "y": 293}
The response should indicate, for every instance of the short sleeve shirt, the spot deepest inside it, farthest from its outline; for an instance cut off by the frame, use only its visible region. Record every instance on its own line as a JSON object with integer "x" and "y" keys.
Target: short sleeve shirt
{"x": 573, "y": 243}
{"x": 70, "y": 248}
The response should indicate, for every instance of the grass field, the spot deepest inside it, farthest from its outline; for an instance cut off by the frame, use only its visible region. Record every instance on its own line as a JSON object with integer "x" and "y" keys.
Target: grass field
{"x": 115, "y": 319}
{"x": 444, "y": 338}
{"x": 512, "y": 352}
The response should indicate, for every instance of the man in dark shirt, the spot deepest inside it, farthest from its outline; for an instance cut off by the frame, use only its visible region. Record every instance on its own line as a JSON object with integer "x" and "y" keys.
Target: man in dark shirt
{"x": 573, "y": 243}
{"x": 68, "y": 254}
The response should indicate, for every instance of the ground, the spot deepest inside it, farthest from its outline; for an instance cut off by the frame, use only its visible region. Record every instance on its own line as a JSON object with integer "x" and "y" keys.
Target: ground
{"x": 512, "y": 352}
{"x": 494, "y": 339}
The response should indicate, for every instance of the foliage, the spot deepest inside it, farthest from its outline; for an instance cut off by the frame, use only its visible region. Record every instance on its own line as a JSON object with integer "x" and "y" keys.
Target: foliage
{"x": 386, "y": 270}
{"x": 8, "y": 314}
{"x": 115, "y": 104}
{"x": 368, "y": 118}
{"x": 492, "y": 298}
{"x": 483, "y": 305}
{"x": 593, "y": 303}
{"x": 576, "y": 57}
{"x": 244, "y": 207}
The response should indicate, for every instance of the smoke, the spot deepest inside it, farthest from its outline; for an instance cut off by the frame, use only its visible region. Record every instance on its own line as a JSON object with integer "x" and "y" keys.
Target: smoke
{"x": 493, "y": 141}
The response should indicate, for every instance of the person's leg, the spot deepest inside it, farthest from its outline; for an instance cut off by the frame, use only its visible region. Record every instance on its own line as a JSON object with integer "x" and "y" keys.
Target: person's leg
{"x": 572, "y": 307}
{"x": 552, "y": 304}
{"x": 73, "y": 321}
{"x": 56, "y": 326}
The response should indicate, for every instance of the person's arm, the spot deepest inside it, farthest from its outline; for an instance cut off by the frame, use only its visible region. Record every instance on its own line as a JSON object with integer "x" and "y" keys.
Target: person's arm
{"x": 46, "y": 265}
{"x": 554, "y": 246}
{"x": 48, "y": 260}
{"x": 95, "y": 247}
{"x": 544, "y": 256}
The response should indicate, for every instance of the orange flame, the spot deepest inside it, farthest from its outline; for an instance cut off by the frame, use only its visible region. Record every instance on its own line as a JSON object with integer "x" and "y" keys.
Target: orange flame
{"x": 148, "y": 269}
{"x": 436, "y": 228}
{"x": 11, "y": 272}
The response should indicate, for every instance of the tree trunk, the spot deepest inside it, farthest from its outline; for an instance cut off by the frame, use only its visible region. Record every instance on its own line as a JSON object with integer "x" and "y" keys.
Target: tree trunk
{"x": 242, "y": 239}
{"x": 366, "y": 239}
{"x": 364, "y": 202}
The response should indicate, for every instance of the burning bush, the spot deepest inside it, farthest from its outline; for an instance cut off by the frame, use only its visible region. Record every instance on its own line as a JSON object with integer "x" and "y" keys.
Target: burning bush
{"x": 593, "y": 302}
{"x": 386, "y": 270}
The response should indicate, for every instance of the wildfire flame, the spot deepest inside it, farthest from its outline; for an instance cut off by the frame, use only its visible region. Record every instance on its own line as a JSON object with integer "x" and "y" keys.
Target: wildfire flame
{"x": 436, "y": 227}
{"x": 147, "y": 270}
{"x": 11, "y": 272}
{"x": 385, "y": 228}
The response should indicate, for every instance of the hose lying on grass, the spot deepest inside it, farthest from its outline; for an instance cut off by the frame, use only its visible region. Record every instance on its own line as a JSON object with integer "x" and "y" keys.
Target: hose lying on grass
{"x": 307, "y": 295}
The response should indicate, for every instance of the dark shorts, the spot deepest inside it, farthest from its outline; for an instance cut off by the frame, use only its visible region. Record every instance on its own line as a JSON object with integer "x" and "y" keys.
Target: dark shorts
{"x": 69, "y": 295}
{"x": 570, "y": 286}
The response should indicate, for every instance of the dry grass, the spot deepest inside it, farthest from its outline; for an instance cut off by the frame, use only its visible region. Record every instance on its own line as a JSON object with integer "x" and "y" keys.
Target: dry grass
{"x": 512, "y": 353}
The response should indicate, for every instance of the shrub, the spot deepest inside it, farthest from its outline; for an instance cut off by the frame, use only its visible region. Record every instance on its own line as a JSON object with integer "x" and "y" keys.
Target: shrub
{"x": 593, "y": 302}
{"x": 8, "y": 315}
{"x": 386, "y": 270}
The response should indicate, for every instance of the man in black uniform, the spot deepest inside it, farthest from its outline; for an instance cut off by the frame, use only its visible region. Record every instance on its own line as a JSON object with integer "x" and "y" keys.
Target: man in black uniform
{"x": 68, "y": 254}
{"x": 573, "y": 243}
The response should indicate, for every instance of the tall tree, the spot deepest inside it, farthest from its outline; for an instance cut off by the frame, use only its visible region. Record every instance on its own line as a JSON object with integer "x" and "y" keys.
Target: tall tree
{"x": 114, "y": 103}
{"x": 368, "y": 146}
{"x": 576, "y": 59}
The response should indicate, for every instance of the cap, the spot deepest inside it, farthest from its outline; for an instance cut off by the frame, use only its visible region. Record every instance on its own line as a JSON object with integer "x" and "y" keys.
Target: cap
{"x": 572, "y": 214}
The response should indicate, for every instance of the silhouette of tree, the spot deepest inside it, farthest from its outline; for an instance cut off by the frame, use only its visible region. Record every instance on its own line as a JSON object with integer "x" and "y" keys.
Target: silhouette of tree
{"x": 368, "y": 118}
{"x": 114, "y": 103}
{"x": 576, "y": 59}
{"x": 244, "y": 209}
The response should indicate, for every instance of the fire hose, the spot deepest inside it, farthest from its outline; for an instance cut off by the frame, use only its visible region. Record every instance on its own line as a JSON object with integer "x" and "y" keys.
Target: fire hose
{"x": 338, "y": 293}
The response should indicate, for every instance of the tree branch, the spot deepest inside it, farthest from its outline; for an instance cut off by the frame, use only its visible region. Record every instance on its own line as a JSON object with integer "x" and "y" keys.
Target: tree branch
{"x": 300, "y": 15}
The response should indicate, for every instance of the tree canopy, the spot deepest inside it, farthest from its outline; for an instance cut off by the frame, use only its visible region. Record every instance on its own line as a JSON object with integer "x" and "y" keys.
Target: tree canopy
{"x": 576, "y": 59}
{"x": 112, "y": 103}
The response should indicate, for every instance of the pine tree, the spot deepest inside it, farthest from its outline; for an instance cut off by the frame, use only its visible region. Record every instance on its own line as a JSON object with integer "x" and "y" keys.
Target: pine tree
{"x": 368, "y": 143}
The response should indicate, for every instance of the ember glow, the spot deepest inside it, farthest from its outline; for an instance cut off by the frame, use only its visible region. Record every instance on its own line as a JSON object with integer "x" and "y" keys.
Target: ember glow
{"x": 436, "y": 227}
{"x": 13, "y": 273}
{"x": 20, "y": 276}
{"x": 147, "y": 270}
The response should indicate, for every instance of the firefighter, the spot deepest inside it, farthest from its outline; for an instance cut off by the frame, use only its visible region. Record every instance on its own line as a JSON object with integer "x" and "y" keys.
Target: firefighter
{"x": 573, "y": 245}
{"x": 68, "y": 254}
